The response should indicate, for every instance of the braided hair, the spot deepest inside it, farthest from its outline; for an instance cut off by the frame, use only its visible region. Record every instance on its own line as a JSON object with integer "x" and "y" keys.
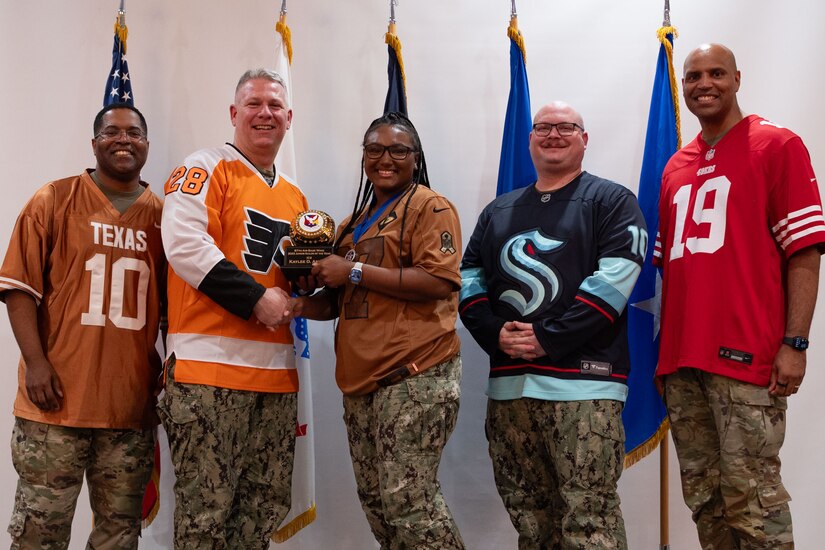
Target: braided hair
{"x": 365, "y": 187}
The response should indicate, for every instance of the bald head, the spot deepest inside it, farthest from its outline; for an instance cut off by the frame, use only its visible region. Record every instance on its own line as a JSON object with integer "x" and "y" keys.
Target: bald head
{"x": 718, "y": 52}
{"x": 559, "y": 109}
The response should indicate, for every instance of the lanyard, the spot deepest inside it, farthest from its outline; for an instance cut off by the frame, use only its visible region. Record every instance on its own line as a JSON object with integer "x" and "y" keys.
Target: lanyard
{"x": 362, "y": 227}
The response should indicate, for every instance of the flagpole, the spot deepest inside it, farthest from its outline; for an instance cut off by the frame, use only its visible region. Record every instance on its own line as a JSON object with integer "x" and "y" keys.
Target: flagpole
{"x": 664, "y": 504}
{"x": 664, "y": 480}
{"x": 396, "y": 99}
{"x": 391, "y": 24}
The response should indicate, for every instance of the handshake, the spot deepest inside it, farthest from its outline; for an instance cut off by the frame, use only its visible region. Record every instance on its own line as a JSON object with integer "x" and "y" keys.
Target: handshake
{"x": 276, "y": 308}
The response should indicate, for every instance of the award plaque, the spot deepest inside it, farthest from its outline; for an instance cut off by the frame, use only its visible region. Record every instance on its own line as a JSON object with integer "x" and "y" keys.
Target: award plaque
{"x": 312, "y": 234}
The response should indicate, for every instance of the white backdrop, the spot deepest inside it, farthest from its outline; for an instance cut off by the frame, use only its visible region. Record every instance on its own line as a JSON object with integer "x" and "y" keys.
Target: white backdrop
{"x": 186, "y": 55}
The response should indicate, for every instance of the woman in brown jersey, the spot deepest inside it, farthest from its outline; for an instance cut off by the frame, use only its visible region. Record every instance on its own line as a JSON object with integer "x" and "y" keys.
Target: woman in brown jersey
{"x": 392, "y": 284}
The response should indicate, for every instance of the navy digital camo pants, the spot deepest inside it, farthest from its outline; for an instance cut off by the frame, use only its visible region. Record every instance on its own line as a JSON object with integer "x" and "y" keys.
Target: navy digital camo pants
{"x": 232, "y": 452}
{"x": 557, "y": 465}
{"x": 396, "y": 436}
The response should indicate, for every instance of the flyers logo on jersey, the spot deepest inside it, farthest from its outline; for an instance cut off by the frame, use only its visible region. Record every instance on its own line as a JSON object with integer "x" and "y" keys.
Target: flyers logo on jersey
{"x": 519, "y": 260}
{"x": 263, "y": 235}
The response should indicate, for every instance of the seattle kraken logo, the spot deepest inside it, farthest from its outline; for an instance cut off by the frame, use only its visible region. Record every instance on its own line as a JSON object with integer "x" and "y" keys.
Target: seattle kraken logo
{"x": 519, "y": 261}
{"x": 263, "y": 235}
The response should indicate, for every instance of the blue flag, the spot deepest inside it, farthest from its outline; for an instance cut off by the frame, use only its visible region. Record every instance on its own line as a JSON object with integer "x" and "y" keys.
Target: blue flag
{"x": 119, "y": 84}
{"x": 644, "y": 416}
{"x": 515, "y": 169}
{"x": 397, "y": 90}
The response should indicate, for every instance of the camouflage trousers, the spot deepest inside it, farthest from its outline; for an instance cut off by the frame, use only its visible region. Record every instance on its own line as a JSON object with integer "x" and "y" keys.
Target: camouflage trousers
{"x": 556, "y": 466}
{"x": 396, "y": 436}
{"x": 728, "y": 435}
{"x": 51, "y": 461}
{"x": 232, "y": 453}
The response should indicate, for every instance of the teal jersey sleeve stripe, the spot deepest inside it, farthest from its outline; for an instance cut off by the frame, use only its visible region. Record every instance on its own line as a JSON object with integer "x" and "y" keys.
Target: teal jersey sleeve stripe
{"x": 613, "y": 282}
{"x": 473, "y": 282}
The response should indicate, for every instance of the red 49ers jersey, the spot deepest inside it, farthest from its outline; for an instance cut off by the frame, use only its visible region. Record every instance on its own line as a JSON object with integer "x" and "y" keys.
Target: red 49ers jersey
{"x": 97, "y": 277}
{"x": 730, "y": 217}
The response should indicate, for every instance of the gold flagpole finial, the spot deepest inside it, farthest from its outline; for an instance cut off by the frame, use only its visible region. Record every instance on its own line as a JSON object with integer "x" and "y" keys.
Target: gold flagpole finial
{"x": 666, "y": 21}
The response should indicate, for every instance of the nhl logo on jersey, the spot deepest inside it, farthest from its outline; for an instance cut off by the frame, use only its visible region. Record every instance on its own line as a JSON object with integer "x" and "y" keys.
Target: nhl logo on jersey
{"x": 710, "y": 154}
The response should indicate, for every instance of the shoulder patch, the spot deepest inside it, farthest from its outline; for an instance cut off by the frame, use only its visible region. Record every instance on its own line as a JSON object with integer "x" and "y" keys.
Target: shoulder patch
{"x": 447, "y": 246}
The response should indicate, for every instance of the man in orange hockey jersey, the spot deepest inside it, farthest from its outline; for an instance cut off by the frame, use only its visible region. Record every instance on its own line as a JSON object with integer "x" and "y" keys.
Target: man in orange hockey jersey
{"x": 230, "y": 405}
{"x": 83, "y": 280}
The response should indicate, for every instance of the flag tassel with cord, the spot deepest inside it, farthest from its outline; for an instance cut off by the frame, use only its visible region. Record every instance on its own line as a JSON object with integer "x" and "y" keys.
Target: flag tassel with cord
{"x": 303, "y": 511}
{"x": 397, "y": 90}
{"x": 645, "y": 417}
{"x": 515, "y": 169}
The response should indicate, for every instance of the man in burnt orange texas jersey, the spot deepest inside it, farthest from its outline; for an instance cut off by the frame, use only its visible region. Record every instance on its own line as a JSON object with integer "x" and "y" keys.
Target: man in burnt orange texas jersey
{"x": 230, "y": 406}
{"x": 83, "y": 280}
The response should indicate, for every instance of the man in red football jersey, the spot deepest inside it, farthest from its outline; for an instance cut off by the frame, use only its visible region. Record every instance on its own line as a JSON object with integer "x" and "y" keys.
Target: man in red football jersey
{"x": 740, "y": 237}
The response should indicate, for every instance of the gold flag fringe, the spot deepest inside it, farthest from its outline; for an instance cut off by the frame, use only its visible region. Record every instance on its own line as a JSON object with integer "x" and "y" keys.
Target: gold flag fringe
{"x": 122, "y": 32}
{"x": 648, "y": 446}
{"x": 286, "y": 36}
{"x": 515, "y": 36}
{"x": 674, "y": 87}
{"x": 153, "y": 513}
{"x": 295, "y": 525}
{"x": 392, "y": 40}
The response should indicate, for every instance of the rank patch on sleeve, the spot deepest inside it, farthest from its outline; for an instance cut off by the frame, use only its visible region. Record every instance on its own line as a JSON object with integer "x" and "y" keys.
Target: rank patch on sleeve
{"x": 447, "y": 243}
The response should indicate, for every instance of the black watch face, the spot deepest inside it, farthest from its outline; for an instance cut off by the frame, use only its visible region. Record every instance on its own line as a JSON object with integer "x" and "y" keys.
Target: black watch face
{"x": 797, "y": 342}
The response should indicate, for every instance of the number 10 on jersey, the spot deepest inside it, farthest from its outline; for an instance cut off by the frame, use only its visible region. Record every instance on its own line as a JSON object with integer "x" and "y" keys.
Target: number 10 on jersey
{"x": 95, "y": 315}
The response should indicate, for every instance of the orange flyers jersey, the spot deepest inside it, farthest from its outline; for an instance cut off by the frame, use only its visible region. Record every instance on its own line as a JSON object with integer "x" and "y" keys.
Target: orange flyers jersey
{"x": 218, "y": 207}
{"x": 97, "y": 276}
{"x": 378, "y": 333}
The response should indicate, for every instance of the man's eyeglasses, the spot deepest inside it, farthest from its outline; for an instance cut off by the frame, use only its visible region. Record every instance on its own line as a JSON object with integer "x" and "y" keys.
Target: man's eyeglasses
{"x": 565, "y": 129}
{"x": 112, "y": 133}
{"x": 397, "y": 152}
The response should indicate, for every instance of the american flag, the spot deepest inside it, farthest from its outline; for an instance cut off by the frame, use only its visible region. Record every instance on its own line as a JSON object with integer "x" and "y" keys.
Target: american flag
{"x": 119, "y": 85}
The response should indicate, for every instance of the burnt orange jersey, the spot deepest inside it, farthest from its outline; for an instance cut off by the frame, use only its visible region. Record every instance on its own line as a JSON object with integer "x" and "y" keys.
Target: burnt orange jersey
{"x": 378, "y": 333}
{"x": 220, "y": 209}
{"x": 97, "y": 276}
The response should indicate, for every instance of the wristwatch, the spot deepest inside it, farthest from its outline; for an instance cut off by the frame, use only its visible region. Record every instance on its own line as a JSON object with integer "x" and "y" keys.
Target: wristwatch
{"x": 356, "y": 273}
{"x": 799, "y": 343}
